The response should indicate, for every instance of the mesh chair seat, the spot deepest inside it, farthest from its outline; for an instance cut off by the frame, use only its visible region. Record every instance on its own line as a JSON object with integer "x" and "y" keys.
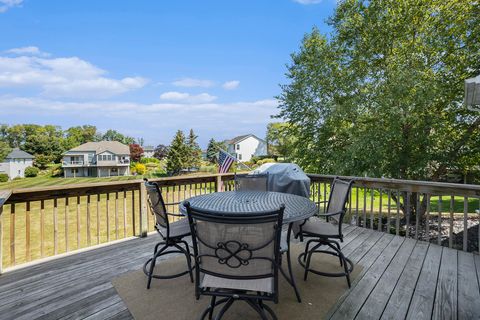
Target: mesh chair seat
{"x": 283, "y": 242}
{"x": 179, "y": 228}
{"x": 320, "y": 228}
{"x": 262, "y": 285}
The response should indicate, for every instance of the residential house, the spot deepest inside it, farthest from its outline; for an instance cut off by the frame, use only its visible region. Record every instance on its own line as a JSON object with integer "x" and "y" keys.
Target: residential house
{"x": 148, "y": 151}
{"x": 97, "y": 159}
{"x": 15, "y": 163}
{"x": 247, "y": 146}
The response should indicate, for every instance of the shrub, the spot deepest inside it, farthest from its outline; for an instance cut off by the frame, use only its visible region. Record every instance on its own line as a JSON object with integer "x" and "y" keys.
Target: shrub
{"x": 31, "y": 172}
{"x": 3, "y": 177}
{"x": 140, "y": 168}
{"x": 266, "y": 160}
{"x": 149, "y": 160}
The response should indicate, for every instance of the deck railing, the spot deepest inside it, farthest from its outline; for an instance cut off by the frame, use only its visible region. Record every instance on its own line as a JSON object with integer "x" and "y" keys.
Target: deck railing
{"x": 42, "y": 222}
{"x": 444, "y": 213}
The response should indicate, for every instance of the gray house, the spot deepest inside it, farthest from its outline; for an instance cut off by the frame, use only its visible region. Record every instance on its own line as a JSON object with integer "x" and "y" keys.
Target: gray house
{"x": 15, "y": 163}
{"x": 97, "y": 159}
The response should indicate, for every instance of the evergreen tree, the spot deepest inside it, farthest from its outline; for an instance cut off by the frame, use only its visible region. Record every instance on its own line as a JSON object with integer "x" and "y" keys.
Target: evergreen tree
{"x": 194, "y": 151}
{"x": 212, "y": 150}
{"x": 177, "y": 154}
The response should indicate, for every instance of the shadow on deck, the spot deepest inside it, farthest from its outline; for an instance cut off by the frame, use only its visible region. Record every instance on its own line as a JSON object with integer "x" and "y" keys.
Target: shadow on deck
{"x": 401, "y": 278}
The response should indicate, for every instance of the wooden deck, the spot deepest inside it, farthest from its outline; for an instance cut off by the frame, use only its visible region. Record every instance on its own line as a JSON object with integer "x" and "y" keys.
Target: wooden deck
{"x": 401, "y": 278}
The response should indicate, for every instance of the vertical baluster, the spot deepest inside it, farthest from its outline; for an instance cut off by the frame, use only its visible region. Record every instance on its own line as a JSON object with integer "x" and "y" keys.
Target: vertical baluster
{"x": 42, "y": 228}
{"x": 108, "y": 216}
{"x": 407, "y": 208}
{"x": 389, "y": 210}
{"x": 66, "y": 223}
{"x": 124, "y": 214}
{"x": 397, "y": 222}
{"x": 319, "y": 195}
{"x": 89, "y": 234}
{"x": 116, "y": 215}
{"x": 372, "y": 198}
{"x": 439, "y": 236}
{"x": 350, "y": 207}
{"x": 133, "y": 213}
{"x": 357, "y": 222}
{"x": 12, "y": 234}
{"x": 324, "y": 197}
{"x": 365, "y": 207}
{"x": 417, "y": 215}
{"x": 380, "y": 211}
{"x": 55, "y": 226}
{"x": 78, "y": 223}
{"x": 427, "y": 219}
{"x": 450, "y": 227}
{"x": 98, "y": 218}
{"x": 465, "y": 224}
{"x": 27, "y": 232}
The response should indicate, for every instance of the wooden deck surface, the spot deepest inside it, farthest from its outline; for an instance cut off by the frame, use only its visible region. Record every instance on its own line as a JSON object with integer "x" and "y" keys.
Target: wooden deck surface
{"x": 401, "y": 278}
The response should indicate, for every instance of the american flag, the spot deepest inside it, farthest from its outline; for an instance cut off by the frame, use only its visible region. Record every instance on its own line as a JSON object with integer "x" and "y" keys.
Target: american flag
{"x": 225, "y": 161}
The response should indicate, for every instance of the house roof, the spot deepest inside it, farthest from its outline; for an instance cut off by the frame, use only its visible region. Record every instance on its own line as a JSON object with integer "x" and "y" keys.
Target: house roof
{"x": 101, "y": 146}
{"x": 148, "y": 148}
{"x": 241, "y": 138}
{"x": 19, "y": 154}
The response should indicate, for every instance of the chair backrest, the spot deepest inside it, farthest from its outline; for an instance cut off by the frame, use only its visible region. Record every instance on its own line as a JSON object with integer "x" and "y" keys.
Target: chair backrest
{"x": 237, "y": 247}
{"x": 251, "y": 182}
{"x": 157, "y": 205}
{"x": 337, "y": 202}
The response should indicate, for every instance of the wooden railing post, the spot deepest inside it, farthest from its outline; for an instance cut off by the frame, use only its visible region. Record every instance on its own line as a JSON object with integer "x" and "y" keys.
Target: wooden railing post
{"x": 143, "y": 211}
{"x": 218, "y": 183}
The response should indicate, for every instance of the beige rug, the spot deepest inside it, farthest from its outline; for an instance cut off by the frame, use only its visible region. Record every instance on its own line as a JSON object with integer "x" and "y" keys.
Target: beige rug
{"x": 175, "y": 299}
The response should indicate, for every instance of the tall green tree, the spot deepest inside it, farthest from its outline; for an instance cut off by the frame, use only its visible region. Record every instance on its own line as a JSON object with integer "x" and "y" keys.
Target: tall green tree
{"x": 113, "y": 135}
{"x": 178, "y": 153}
{"x": 382, "y": 95}
{"x": 75, "y": 136}
{"x": 4, "y": 150}
{"x": 194, "y": 151}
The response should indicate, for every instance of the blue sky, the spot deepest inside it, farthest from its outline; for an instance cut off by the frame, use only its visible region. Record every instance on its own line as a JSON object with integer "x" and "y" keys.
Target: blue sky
{"x": 149, "y": 68}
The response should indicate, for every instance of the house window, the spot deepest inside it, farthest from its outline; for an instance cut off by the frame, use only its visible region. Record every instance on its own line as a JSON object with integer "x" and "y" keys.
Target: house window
{"x": 238, "y": 147}
{"x": 114, "y": 170}
{"x": 239, "y": 156}
{"x": 74, "y": 171}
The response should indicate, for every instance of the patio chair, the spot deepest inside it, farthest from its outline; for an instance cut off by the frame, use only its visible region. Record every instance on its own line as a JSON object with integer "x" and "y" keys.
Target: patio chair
{"x": 251, "y": 182}
{"x": 237, "y": 258}
{"x": 172, "y": 234}
{"x": 327, "y": 233}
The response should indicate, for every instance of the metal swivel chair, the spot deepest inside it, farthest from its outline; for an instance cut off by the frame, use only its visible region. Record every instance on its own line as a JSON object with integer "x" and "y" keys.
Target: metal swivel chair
{"x": 172, "y": 234}
{"x": 326, "y": 233}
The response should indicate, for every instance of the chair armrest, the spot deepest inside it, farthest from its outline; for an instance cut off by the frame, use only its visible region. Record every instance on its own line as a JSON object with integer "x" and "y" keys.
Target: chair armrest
{"x": 172, "y": 203}
{"x": 176, "y": 215}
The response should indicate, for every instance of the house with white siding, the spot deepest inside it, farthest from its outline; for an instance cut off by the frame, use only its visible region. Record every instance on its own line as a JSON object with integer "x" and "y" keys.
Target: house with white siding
{"x": 15, "y": 163}
{"x": 148, "y": 151}
{"x": 246, "y": 146}
{"x": 97, "y": 159}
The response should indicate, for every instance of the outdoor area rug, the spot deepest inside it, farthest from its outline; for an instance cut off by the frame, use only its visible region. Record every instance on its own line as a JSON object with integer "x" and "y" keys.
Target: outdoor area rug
{"x": 175, "y": 298}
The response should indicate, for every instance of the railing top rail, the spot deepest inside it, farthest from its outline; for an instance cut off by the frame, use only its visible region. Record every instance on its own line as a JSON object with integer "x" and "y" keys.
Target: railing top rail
{"x": 4, "y": 195}
{"x": 430, "y": 187}
{"x": 43, "y": 193}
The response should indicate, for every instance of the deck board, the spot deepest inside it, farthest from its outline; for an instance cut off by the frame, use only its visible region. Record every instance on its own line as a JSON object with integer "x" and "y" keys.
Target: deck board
{"x": 399, "y": 277}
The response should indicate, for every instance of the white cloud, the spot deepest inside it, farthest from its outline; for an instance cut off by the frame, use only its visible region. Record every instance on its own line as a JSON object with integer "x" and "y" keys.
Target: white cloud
{"x": 307, "y": 1}
{"x": 230, "y": 85}
{"x": 31, "y": 50}
{"x": 191, "y": 82}
{"x": 69, "y": 77}
{"x": 187, "y": 97}
{"x": 7, "y": 4}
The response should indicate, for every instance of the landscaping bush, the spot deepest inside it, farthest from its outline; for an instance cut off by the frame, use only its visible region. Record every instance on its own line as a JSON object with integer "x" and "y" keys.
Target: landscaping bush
{"x": 140, "y": 168}
{"x": 149, "y": 160}
{"x": 3, "y": 177}
{"x": 266, "y": 160}
{"x": 31, "y": 172}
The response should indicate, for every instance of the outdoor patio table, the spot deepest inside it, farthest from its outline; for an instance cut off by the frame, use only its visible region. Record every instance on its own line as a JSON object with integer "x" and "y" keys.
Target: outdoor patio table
{"x": 297, "y": 208}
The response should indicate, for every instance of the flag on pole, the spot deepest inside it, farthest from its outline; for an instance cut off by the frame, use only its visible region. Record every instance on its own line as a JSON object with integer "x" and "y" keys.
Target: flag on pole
{"x": 225, "y": 161}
